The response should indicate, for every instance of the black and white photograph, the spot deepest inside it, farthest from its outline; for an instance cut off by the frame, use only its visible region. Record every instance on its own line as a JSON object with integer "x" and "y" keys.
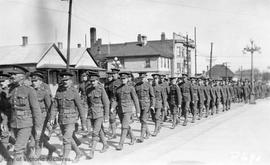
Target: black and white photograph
{"x": 134, "y": 82}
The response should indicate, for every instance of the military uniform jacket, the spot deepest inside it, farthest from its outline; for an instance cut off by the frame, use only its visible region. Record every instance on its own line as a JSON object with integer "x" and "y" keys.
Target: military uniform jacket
{"x": 207, "y": 95}
{"x": 25, "y": 110}
{"x": 223, "y": 93}
{"x": 213, "y": 93}
{"x": 69, "y": 106}
{"x": 245, "y": 90}
{"x": 82, "y": 90}
{"x": 218, "y": 92}
{"x": 112, "y": 87}
{"x": 4, "y": 107}
{"x": 175, "y": 96}
{"x": 160, "y": 96}
{"x": 194, "y": 92}
{"x": 98, "y": 102}
{"x": 44, "y": 100}
{"x": 185, "y": 88}
{"x": 201, "y": 93}
{"x": 145, "y": 94}
{"x": 166, "y": 89}
{"x": 126, "y": 98}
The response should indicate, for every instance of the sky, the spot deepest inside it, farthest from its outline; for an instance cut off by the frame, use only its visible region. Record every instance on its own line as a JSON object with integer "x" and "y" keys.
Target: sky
{"x": 229, "y": 24}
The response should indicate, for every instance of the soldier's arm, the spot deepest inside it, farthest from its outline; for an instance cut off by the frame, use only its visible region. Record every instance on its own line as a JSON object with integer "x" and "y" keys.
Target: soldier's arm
{"x": 106, "y": 103}
{"x": 34, "y": 106}
{"x": 164, "y": 98}
{"x": 179, "y": 96}
{"x": 152, "y": 96}
{"x": 135, "y": 99}
{"x": 78, "y": 104}
{"x": 191, "y": 93}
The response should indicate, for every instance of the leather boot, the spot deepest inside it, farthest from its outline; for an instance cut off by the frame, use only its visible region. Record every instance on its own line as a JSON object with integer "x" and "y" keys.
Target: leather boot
{"x": 122, "y": 139}
{"x": 186, "y": 120}
{"x": 77, "y": 141}
{"x": 77, "y": 151}
{"x": 104, "y": 141}
{"x": 66, "y": 158}
{"x": 92, "y": 151}
{"x": 32, "y": 153}
{"x": 156, "y": 129}
{"x": 147, "y": 133}
{"x": 206, "y": 113}
{"x": 50, "y": 148}
{"x": 143, "y": 130}
{"x": 132, "y": 137}
{"x": 174, "y": 121}
{"x": 113, "y": 128}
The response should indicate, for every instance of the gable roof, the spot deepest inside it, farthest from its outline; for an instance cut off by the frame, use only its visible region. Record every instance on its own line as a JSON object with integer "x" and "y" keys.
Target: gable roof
{"x": 29, "y": 54}
{"x": 219, "y": 71}
{"x": 133, "y": 49}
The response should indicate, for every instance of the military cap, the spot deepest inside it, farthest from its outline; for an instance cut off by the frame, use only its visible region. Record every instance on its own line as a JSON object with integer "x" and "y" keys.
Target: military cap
{"x": 66, "y": 75}
{"x": 193, "y": 78}
{"x": 36, "y": 76}
{"x": 109, "y": 72}
{"x": 173, "y": 77}
{"x": 94, "y": 76}
{"x": 17, "y": 69}
{"x": 115, "y": 70}
{"x": 142, "y": 74}
{"x": 155, "y": 75}
{"x": 162, "y": 75}
{"x": 123, "y": 75}
{"x": 130, "y": 74}
{"x": 184, "y": 75}
{"x": 4, "y": 77}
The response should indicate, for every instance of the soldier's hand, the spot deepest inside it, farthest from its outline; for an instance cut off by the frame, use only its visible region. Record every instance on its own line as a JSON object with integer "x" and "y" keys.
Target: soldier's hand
{"x": 179, "y": 106}
{"x": 138, "y": 115}
{"x": 111, "y": 110}
{"x": 4, "y": 127}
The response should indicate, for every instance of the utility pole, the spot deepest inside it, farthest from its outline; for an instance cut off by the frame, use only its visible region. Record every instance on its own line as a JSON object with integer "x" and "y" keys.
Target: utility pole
{"x": 85, "y": 41}
{"x": 241, "y": 74}
{"x": 187, "y": 55}
{"x": 252, "y": 48}
{"x": 211, "y": 53}
{"x": 69, "y": 31}
{"x": 195, "y": 42}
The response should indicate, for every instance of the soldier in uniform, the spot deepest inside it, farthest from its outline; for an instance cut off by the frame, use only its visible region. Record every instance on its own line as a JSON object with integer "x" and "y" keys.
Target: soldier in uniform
{"x": 218, "y": 95}
{"x": 229, "y": 95}
{"x": 223, "y": 96}
{"x": 175, "y": 101}
{"x": 125, "y": 98}
{"x": 161, "y": 102}
{"x": 185, "y": 87}
{"x": 213, "y": 97}
{"x": 68, "y": 104}
{"x": 98, "y": 111}
{"x": 245, "y": 89}
{"x": 164, "y": 84}
{"x": 146, "y": 98}
{"x": 45, "y": 103}
{"x": 112, "y": 86}
{"x": 201, "y": 95}
{"x": 25, "y": 114}
{"x": 4, "y": 117}
{"x": 194, "y": 98}
{"x": 207, "y": 96}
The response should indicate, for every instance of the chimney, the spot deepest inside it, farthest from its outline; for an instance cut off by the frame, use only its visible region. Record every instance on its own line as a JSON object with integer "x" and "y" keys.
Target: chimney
{"x": 163, "y": 36}
{"x": 99, "y": 42}
{"x": 144, "y": 40}
{"x": 92, "y": 36}
{"x": 24, "y": 40}
{"x": 60, "y": 45}
{"x": 79, "y": 45}
{"x": 139, "y": 38}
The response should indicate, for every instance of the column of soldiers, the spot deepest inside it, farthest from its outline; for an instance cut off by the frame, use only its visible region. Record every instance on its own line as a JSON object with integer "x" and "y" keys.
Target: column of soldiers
{"x": 28, "y": 110}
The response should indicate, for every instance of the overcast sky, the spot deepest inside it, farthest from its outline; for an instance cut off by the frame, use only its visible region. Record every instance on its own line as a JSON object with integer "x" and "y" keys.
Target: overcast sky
{"x": 229, "y": 24}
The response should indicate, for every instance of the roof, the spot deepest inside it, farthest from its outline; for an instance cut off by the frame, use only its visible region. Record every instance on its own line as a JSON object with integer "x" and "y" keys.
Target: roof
{"x": 219, "y": 71}
{"x": 18, "y": 54}
{"x": 133, "y": 49}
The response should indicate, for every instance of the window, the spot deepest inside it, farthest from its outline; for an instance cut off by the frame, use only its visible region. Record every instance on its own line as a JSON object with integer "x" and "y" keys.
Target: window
{"x": 122, "y": 62}
{"x": 178, "y": 51}
{"x": 168, "y": 63}
{"x": 165, "y": 62}
{"x": 178, "y": 67}
{"x": 147, "y": 63}
{"x": 161, "y": 62}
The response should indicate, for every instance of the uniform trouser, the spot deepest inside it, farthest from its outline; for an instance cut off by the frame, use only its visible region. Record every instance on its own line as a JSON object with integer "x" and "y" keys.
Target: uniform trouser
{"x": 186, "y": 105}
{"x": 213, "y": 106}
{"x": 207, "y": 106}
{"x": 67, "y": 132}
{"x": 98, "y": 130}
{"x": 229, "y": 100}
{"x": 156, "y": 117}
{"x": 143, "y": 119}
{"x": 4, "y": 152}
{"x": 200, "y": 107}
{"x": 217, "y": 104}
{"x": 224, "y": 104}
{"x": 175, "y": 111}
{"x": 125, "y": 128}
{"x": 22, "y": 136}
{"x": 112, "y": 121}
{"x": 194, "y": 107}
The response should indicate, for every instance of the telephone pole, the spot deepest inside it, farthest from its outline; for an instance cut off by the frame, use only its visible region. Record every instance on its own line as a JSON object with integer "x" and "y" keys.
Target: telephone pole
{"x": 211, "y": 57}
{"x": 69, "y": 31}
{"x": 195, "y": 42}
{"x": 187, "y": 55}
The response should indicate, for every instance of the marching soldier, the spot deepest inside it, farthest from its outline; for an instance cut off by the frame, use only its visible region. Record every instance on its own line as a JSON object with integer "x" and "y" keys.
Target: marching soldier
{"x": 175, "y": 101}
{"x": 194, "y": 98}
{"x": 146, "y": 98}
{"x": 25, "y": 114}
{"x": 245, "y": 89}
{"x": 223, "y": 96}
{"x": 164, "y": 84}
{"x": 185, "y": 87}
{"x": 112, "y": 86}
{"x": 125, "y": 98}
{"x": 207, "y": 96}
{"x": 229, "y": 95}
{"x": 45, "y": 103}
{"x": 218, "y": 95}
{"x": 213, "y": 97}
{"x": 201, "y": 98}
{"x": 161, "y": 102}
{"x": 68, "y": 104}
{"x": 99, "y": 104}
